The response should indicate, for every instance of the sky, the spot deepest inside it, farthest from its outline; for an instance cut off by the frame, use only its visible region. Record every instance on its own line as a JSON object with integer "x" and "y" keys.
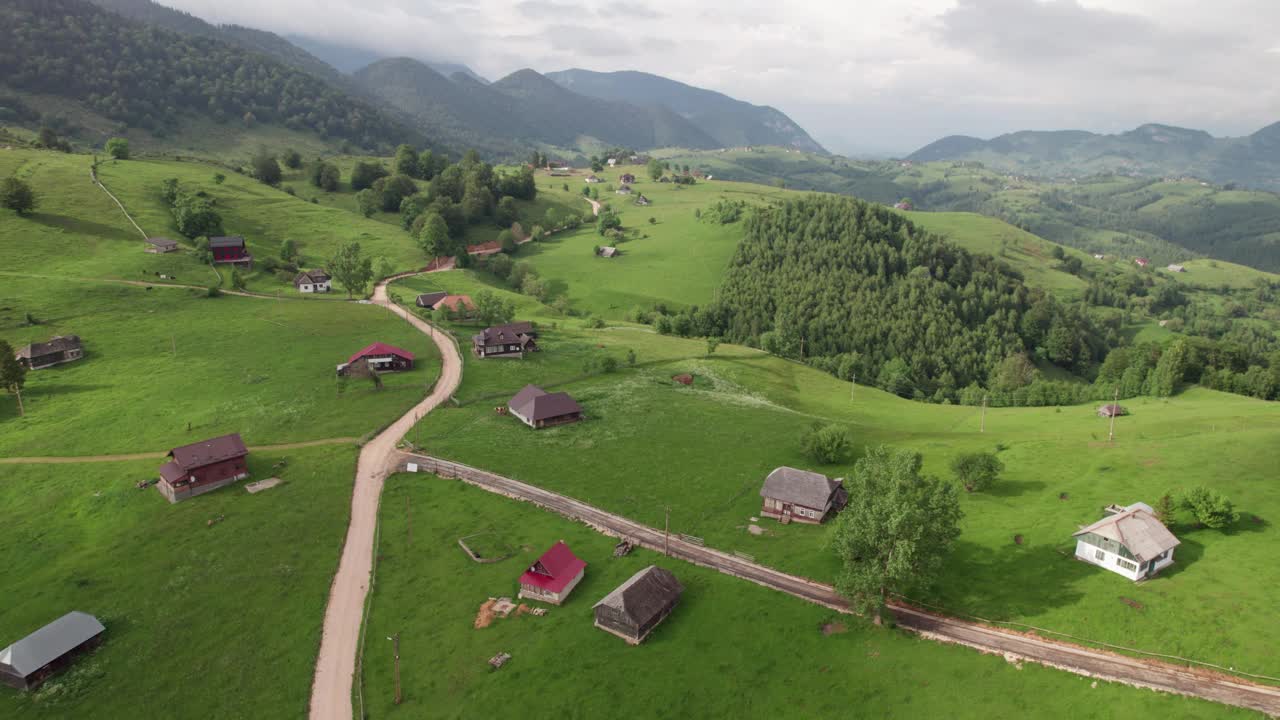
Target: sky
{"x": 871, "y": 76}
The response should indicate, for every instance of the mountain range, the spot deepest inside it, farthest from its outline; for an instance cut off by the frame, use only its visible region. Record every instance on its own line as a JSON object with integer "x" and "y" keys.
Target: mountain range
{"x": 1149, "y": 150}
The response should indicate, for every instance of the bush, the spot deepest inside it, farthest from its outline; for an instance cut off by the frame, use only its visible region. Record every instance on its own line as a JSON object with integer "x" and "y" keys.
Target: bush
{"x": 976, "y": 471}
{"x": 825, "y": 444}
{"x": 212, "y": 291}
{"x": 118, "y": 148}
{"x": 292, "y": 159}
{"x": 365, "y": 174}
{"x": 1210, "y": 508}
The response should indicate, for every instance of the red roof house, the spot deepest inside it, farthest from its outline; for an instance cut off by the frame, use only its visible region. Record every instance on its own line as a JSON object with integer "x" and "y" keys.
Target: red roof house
{"x": 381, "y": 357}
{"x": 553, "y": 576}
{"x": 200, "y": 467}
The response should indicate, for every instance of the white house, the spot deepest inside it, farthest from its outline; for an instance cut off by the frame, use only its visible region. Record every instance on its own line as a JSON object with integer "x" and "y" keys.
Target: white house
{"x": 613, "y": 161}
{"x": 1129, "y": 541}
{"x": 312, "y": 281}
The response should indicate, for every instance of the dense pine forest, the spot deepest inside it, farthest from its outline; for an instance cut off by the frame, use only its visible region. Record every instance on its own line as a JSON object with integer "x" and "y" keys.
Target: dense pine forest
{"x": 152, "y": 79}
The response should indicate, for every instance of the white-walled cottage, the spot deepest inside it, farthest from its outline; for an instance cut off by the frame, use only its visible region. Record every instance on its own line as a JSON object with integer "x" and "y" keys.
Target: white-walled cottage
{"x": 1129, "y": 541}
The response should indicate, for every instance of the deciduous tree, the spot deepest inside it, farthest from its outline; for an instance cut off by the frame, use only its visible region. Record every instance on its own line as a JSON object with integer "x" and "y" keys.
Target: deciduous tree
{"x": 12, "y": 374}
{"x": 350, "y": 268}
{"x": 16, "y": 194}
{"x": 118, "y": 148}
{"x": 976, "y": 471}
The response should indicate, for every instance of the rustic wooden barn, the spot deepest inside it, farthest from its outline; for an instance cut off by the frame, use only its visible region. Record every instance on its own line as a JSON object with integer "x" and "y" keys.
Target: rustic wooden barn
{"x": 638, "y": 605}
{"x": 1108, "y": 411}
{"x": 538, "y": 408}
{"x": 231, "y": 249}
{"x": 808, "y": 497}
{"x": 31, "y": 660}
{"x": 381, "y": 357}
{"x": 57, "y": 350}
{"x": 202, "y": 467}
{"x": 553, "y": 576}
{"x": 160, "y": 245}
{"x": 510, "y": 340}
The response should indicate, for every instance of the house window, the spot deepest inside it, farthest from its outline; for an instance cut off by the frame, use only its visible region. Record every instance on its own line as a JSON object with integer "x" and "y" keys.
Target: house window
{"x": 1099, "y": 555}
{"x": 1126, "y": 564}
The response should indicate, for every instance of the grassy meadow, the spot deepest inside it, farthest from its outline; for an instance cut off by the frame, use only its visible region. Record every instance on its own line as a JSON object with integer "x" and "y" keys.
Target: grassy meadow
{"x": 202, "y": 620}
{"x": 731, "y": 649}
{"x": 704, "y": 450}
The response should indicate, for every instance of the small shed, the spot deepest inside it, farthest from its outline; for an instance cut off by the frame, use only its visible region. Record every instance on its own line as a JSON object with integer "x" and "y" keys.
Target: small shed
{"x": 642, "y": 201}
{"x": 1110, "y": 411}
{"x": 608, "y": 251}
{"x": 1177, "y": 268}
{"x": 553, "y": 575}
{"x": 55, "y": 351}
{"x": 160, "y": 245}
{"x": 31, "y": 660}
{"x": 539, "y": 409}
{"x": 591, "y": 179}
{"x": 808, "y": 497}
{"x": 638, "y": 605}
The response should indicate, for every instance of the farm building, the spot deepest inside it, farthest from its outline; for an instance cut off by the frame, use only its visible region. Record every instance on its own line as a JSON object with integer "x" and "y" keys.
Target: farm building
{"x": 627, "y": 179}
{"x": 1108, "y": 411}
{"x": 613, "y": 161}
{"x": 638, "y": 605}
{"x": 642, "y": 201}
{"x": 1129, "y": 541}
{"x": 1177, "y": 268}
{"x": 510, "y": 340}
{"x": 607, "y": 251}
{"x": 538, "y": 408}
{"x": 624, "y": 190}
{"x": 230, "y": 249}
{"x": 429, "y": 300}
{"x": 381, "y": 357}
{"x": 902, "y": 205}
{"x": 312, "y": 281}
{"x": 202, "y": 467}
{"x": 57, "y": 350}
{"x": 808, "y": 497}
{"x": 1142, "y": 262}
{"x": 160, "y": 245}
{"x": 493, "y": 247}
{"x": 591, "y": 179}
{"x": 30, "y": 661}
{"x": 553, "y": 576}
{"x": 460, "y": 306}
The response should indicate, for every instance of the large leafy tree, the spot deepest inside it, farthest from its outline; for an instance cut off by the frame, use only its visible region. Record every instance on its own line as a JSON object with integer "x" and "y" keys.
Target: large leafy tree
{"x": 976, "y": 471}
{"x": 12, "y": 374}
{"x": 351, "y": 268}
{"x": 434, "y": 237}
{"x": 16, "y": 195}
{"x": 365, "y": 174}
{"x": 266, "y": 168}
{"x": 895, "y": 531}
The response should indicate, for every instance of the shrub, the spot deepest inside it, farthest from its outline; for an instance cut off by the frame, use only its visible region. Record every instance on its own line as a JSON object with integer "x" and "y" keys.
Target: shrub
{"x": 118, "y": 148}
{"x": 976, "y": 471}
{"x": 826, "y": 444}
{"x": 1209, "y": 507}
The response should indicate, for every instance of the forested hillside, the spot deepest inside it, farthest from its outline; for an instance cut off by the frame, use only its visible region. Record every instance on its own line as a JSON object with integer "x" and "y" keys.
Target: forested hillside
{"x": 860, "y": 285}
{"x": 149, "y": 78}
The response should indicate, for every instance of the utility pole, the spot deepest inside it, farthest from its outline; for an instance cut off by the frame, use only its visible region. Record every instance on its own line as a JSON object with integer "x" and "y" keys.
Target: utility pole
{"x": 17, "y": 389}
{"x": 983, "y": 427}
{"x": 853, "y": 383}
{"x": 396, "y": 640}
{"x": 666, "y": 533}
{"x": 1111, "y": 435}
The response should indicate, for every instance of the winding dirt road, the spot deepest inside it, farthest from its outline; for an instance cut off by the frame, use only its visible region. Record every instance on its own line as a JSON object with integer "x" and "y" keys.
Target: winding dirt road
{"x": 340, "y": 642}
{"x": 1217, "y": 687}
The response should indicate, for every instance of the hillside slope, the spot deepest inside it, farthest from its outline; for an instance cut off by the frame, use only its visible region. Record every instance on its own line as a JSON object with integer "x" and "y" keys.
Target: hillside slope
{"x": 147, "y": 77}
{"x": 1150, "y": 150}
{"x": 731, "y": 122}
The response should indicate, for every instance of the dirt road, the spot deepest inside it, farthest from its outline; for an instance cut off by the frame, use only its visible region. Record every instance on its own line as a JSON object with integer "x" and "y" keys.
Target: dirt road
{"x": 340, "y": 641}
{"x": 1014, "y": 646}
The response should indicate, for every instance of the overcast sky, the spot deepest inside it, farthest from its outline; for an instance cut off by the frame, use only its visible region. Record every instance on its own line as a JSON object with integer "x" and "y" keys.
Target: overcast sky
{"x": 864, "y": 76}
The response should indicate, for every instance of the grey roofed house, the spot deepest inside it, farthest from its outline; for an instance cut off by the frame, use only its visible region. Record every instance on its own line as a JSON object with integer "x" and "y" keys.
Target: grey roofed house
{"x": 161, "y": 245}
{"x": 608, "y": 251}
{"x": 801, "y": 487}
{"x": 636, "y": 606}
{"x": 429, "y": 300}
{"x": 1135, "y": 528}
{"x": 26, "y": 662}
{"x": 1110, "y": 410}
{"x": 538, "y": 408}
{"x": 60, "y": 349}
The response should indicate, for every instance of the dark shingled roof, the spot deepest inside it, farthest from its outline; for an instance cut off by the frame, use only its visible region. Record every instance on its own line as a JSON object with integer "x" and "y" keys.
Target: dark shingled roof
{"x": 801, "y": 487}
{"x": 227, "y": 241}
{"x": 62, "y": 343}
{"x": 430, "y": 299}
{"x": 509, "y": 333}
{"x": 537, "y": 404}
{"x": 50, "y": 642}
{"x": 644, "y": 595}
{"x": 162, "y": 242}
{"x": 311, "y": 277}
{"x": 209, "y": 451}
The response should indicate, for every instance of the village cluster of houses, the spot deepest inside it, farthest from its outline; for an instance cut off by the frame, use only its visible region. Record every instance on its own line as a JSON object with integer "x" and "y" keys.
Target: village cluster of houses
{"x": 631, "y": 611}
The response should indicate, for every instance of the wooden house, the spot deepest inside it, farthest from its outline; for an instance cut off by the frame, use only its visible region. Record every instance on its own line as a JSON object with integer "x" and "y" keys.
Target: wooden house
{"x": 1129, "y": 541}
{"x": 539, "y": 409}
{"x": 1109, "y": 411}
{"x": 230, "y": 249}
{"x": 607, "y": 251}
{"x": 553, "y": 576}
{"x": 591, "y": 179}
{"x": 510, "y": 340}
{"x": 638, "y": 605}
{"x": 160, "y": 245}
{"x": 808, "y": 497}
{"x": 55, "y": 351}
{"x": 203, "y": 467}
{"x": 313, "y": 281}
{"x": 624, "y": 190}
{"x": 31, "y": 660}
{"x": 642, "y": 201}
{"x": 380, "y": 357}
{"x": 429, "y": 300}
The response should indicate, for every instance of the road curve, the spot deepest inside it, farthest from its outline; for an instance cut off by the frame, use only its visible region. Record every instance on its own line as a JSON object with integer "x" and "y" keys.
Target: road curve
{"x": 1078, "y": 659}
{"x": 340, "y": 640}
